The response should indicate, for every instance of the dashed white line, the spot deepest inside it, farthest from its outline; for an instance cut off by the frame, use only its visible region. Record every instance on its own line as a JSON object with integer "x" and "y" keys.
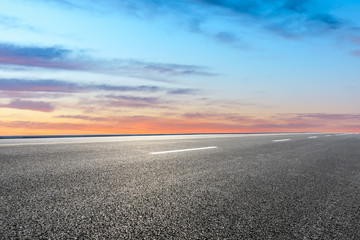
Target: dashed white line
{"x": 313, "y": 137}
{"x": 328, "y": 135}
{"x": 184, "y": 150}
{"x": 281, "y": 140}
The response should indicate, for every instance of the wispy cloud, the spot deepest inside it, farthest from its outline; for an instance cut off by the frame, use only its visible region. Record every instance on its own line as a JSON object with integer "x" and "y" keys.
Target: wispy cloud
{"x": 33, "y": 125}
{"x": 39, "y": 85}
{"x": 32, "y": 52}
{"x": 287, "y": 17}
{"x": 83, "y": 117}
{"x": 35, "y": 56}
{"x": 284, "y": 17}
{"x": 284, "y": 127}
{"x": 181, "y": 91}
{"x": 66, "y": 3}
{"x": 281, "y": 122}
{"x": 226, "y": 37}
{"x": 107, "y": 96}
{"x": 290, "y": 19}
{"x": 58, "y": 57}
{"x": 330, "y": 117}
{"x": 49, "y": 85}
{"x": 8, "y": 22}
{"x": 29, "y": 105}
{"x": 133, "y": 101}
{"x": 12, "y": 22}
{"x": 218, "y": 116}
{"x": 30, "y": 94}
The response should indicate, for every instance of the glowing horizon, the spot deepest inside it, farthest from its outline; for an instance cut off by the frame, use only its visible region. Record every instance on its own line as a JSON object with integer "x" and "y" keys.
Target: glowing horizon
{"x": 155, "y": 67}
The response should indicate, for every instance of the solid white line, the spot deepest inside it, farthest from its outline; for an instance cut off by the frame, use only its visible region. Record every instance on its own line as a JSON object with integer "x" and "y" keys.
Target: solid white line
{"x": 281, "y": 140}
{"x": 184, "y": 150}
{"x": 313, "y": 137}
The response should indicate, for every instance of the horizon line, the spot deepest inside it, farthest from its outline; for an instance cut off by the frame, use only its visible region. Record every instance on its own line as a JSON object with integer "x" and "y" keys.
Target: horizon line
{"x": 127, "y": 135}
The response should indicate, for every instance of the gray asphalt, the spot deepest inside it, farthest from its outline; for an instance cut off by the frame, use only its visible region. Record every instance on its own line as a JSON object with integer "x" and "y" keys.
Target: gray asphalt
{"x": 249, "y": 187}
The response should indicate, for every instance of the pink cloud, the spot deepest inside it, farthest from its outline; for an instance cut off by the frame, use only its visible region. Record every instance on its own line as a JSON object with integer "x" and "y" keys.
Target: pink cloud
{"x": 29, "y": 105}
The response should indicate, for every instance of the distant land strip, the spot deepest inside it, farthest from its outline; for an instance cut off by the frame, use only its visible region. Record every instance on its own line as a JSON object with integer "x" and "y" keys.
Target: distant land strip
{"x": 127, "y": 135}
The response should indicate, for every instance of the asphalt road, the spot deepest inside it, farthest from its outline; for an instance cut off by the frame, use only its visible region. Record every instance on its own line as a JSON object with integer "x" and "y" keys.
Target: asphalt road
{"x": 290, "y": 186}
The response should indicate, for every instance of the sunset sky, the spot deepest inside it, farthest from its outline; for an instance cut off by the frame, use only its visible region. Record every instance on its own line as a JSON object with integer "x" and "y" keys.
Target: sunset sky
{"x": 182, "y": 66}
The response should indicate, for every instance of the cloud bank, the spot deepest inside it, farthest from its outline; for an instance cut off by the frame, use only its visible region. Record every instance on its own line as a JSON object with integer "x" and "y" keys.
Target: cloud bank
{"x": 49, "y": 85}
{"x": 58, "y": 57}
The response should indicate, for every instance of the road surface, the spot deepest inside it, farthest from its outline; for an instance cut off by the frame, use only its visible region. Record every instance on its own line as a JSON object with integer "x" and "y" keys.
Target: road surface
{"x": 257, "y": 186}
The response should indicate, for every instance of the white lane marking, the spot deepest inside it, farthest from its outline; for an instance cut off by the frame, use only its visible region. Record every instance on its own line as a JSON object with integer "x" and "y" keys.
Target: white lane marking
{"x": 281, "y": 140}
{"x": 328, "y": 135}
{"x": 184, "y": 150}
{"x": 313, "y": 137}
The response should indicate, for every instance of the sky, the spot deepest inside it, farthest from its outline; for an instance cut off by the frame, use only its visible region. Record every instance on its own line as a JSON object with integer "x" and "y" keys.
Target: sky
{"x": 182, "y": 66}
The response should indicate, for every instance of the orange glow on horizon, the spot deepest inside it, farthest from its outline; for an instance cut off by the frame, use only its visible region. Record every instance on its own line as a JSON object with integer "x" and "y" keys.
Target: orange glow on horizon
{"x": 153, "y": 128}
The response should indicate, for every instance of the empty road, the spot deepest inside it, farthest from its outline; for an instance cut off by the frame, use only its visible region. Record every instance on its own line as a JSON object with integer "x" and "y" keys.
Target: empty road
{"x": 252, "y": 186}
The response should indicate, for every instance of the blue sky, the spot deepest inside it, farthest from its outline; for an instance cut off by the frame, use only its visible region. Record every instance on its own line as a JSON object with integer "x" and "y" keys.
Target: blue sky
{"x": 207, "y": 65}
